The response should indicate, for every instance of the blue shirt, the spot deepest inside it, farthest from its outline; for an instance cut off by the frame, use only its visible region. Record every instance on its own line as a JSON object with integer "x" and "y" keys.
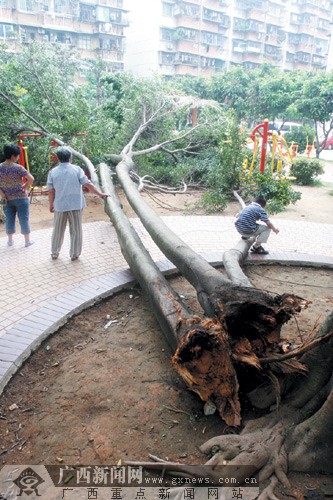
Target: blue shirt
{"x": 67, "y": 181}
{"x": 247, "y": 220}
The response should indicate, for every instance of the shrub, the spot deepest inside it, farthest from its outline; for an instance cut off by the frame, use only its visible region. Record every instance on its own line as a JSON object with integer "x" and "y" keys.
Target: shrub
{"x": 306, "y": 170}
{"x": 214, "y": 201}
{"x": 276, "y": 190}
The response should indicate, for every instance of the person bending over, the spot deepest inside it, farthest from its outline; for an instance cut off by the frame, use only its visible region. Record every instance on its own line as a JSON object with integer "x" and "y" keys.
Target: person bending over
{"x": 247, "y": 226}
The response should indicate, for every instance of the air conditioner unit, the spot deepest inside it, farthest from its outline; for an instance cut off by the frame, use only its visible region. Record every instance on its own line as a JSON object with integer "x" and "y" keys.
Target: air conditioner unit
{"x": 169, "y": 46}
{"x": 41, "y": 30}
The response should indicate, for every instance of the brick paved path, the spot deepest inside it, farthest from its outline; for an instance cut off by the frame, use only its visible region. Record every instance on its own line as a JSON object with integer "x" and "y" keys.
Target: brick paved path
{"x": 38, "y": 294}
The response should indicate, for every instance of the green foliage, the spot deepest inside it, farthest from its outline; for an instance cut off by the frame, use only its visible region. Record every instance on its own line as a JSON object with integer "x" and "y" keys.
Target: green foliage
{"x": 306, "y": 170}
{"x": 214, "y": 201}
{"x": 195, "y": 86}
{"x": 276, "y": 190}
{"x": 301, "y": 136}
{"x": 231, "y": 89}
{"x": 227, "y": 173}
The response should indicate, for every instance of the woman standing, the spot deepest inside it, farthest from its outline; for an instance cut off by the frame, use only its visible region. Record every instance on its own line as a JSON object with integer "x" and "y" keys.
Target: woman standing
{"x": 15, "y": 193}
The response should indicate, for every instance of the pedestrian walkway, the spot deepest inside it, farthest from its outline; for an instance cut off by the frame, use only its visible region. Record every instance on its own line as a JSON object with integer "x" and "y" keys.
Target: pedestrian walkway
{"x": 38, "y": 295}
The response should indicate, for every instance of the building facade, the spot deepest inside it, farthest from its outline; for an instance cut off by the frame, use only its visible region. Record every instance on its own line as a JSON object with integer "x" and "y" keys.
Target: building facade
{"x": 202, "y": 37}
{"x": 175, "y": 37}
{"x": 94, "y": 29}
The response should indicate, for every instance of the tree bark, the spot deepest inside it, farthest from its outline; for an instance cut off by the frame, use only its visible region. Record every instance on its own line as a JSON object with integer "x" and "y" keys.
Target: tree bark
{"x": 202, "y": 358}
{"x": 207, "y": 354}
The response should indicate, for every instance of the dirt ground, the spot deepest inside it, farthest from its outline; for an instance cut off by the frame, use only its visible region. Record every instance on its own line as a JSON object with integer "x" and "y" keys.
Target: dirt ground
{"x": 97, "y": 394}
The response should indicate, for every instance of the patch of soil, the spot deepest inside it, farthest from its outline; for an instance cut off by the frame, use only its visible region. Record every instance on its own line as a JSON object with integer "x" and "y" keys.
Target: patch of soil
{"x": 95, "y": 394}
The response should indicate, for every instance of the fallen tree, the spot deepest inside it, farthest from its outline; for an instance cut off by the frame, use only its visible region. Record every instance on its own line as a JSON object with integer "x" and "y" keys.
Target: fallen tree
{"x": 295, "y": 437}
{"x": 248, "y": 319}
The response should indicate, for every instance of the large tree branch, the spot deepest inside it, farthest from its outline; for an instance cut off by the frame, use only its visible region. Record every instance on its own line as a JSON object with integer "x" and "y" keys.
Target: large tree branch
{"x": 34, "y": 72}
{"x": 142, "y": 127}
{"x": 25, "y": 113}
{"x": 157, "y": 147}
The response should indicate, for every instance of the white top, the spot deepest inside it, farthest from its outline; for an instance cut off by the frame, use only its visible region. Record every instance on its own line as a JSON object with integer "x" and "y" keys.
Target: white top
{"x": 67, "y": 181}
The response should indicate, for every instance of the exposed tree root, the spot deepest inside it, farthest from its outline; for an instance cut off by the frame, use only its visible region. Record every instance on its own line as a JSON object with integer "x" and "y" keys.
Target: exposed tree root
{"x": 204, "y": 362}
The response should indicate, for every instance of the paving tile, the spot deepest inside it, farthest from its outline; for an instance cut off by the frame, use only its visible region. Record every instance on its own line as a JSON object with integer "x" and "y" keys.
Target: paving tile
{"x": 14, "y": 334}
{"x": 23, "y": 327}
{"x": 4, "y": 367}
{"x": 9, "y": 356}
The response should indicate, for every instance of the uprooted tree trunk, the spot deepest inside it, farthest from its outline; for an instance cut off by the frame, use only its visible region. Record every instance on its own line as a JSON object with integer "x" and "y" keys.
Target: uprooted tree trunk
{"x": 250, "y": 318}
{"x": 176, "y": 320}
{"x": 296, "y": 436}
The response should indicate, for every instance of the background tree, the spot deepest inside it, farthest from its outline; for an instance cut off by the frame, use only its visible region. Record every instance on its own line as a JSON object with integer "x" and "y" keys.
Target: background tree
{"x": 314, "y": 101}
{"x": 271, "y": 94}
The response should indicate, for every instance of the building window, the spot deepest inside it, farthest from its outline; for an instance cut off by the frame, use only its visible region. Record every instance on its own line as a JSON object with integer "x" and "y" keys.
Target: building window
{"x": 115, "y": 16}
{"x": 3, "y": 3}
{"x": 109, "y": 44}
{"x": 207, "y": 62}
{"x": 254, "y": 47}
{"x": 189, "y": 10}
{"x": 167, "y": 9}
{"x": 87, "y": 13}
{"x": 62, "y": 37}
{"x": 186, "y": 34}
{"x": 216, "y": 16}
{"x": 323, "y": 23}
{"x": 26, "y": 5}
{"x": 188, "y": 59}
{"x": 211, "y": 38}
{"x": 84, "y": 42}
{"x": 167, "y": 35}
{"x": 167, "y": 59}
{"x": 6, "y": 31}
{"x": 103, "y": 14}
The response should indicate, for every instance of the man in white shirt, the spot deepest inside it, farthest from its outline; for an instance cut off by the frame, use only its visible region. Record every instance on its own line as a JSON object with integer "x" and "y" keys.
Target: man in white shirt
{"x": 66, "y": 198}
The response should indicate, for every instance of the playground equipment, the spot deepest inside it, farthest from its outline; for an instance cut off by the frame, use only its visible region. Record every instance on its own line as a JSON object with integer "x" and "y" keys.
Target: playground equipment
{"x": 262, "y": 138}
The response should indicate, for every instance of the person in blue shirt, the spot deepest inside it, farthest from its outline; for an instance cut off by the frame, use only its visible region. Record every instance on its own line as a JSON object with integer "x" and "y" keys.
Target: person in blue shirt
{"x": 66, "y": 200}
{"x": 247, "y": 225}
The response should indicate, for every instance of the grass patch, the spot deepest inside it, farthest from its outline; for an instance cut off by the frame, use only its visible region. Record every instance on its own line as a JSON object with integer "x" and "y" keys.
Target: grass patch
{"x": 319, "y": 183}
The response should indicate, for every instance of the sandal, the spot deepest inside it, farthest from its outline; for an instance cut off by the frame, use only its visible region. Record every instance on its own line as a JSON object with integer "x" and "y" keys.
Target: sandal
{"x": 260, "y": 250}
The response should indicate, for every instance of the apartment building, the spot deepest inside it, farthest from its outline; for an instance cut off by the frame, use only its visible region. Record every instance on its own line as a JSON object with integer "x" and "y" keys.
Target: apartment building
{"x": 202, "y": 37}
{"x": 94, "y": 29}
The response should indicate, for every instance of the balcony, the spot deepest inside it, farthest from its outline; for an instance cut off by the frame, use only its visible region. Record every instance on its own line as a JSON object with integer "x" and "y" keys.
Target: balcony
{"x": 108, "y": 29}
{"x": 213, "y": 16}
{"x": 187, "y": 60}
{"x": 318, "y": 61}
{"x": 186, "y": 10}
{"x": 119, "y": 20}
